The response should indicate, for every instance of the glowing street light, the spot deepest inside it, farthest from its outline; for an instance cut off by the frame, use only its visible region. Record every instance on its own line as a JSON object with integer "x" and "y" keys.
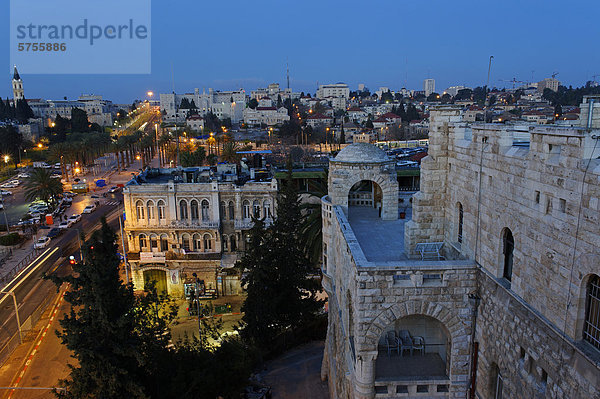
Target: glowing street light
{"x": 150, "y": 93}
{"x": 40, "y": 145}
{"x": 6, "y": 159}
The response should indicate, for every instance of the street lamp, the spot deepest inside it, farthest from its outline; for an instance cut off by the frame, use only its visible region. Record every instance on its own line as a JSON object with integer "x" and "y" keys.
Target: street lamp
{"x": 11, "y": 293}
{"x": 198, "y": 304}
{"x": 6, "y": 159}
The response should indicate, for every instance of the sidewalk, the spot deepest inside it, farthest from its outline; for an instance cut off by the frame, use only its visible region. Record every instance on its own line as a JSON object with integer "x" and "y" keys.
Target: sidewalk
{"x": 21, "y": 257}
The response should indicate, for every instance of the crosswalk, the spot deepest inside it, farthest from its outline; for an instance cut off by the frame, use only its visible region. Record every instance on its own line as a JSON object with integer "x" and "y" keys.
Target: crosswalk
{"x": 112, "y": 203}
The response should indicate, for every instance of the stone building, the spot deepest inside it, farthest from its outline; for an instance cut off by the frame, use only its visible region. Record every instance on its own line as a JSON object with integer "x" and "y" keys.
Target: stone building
{"x": 181, "y": 222}
{"x": 489, "y": 289}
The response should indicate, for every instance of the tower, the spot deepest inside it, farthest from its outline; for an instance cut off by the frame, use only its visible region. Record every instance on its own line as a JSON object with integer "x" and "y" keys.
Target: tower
{"x": 17, "y": 86}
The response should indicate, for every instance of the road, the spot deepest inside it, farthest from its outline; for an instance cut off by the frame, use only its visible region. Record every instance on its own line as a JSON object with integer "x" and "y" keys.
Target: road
{"x": 30, "y": 289}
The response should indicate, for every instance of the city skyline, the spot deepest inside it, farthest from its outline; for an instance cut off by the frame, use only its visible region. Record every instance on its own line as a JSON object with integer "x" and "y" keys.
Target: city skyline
{"x": 222, "y": 50}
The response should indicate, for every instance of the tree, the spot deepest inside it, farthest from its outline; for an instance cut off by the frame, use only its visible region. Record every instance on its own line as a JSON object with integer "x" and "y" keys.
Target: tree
{"x": 412, "y": 113}
{"x": 253, "y": 103}
{"x": 195, "y": 158}
{"x": 463, "y": 94}
{"x": 79, "y": 120}
{"x": 311, "y": 228}
{"x": 42, "y": 185}
{"x": 281, "y": 295}
{"x": 23, "y": 111}
{"x": 369, "y": 123}
{"x": 387, "y": 97}
{"x": 229, "y": 153}
{"x": 212, "y": 159}
{"x": 99, "y": 329}
{"x": 433, "y": 97}
{"x": 10, "y": 142}
{"x": 401, "y": 112}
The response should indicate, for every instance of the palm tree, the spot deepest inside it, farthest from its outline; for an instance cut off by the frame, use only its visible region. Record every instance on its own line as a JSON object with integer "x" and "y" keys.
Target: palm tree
{"x": 229, "y": 153}
{"x": 42, "y": 185}
{"x": 312, "y": 225}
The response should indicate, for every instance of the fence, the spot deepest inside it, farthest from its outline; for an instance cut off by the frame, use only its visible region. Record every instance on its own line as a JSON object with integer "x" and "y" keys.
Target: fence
{"x": 28, "y": 324}
{"x": 19, "y": 266}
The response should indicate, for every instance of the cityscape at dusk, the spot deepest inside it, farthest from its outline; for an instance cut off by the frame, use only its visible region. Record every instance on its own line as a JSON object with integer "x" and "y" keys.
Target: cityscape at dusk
{"x": 315, "y": 200}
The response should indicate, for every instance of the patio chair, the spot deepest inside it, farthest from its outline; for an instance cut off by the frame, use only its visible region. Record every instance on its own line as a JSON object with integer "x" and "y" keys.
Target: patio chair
{"x": 392, "y": 342}
{"x": 419, "y": 345}
{"x": 406, "y": 342}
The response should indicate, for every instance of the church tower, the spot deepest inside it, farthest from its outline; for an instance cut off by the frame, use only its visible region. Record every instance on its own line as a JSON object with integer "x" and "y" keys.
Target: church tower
{"x": 17, "y": 86}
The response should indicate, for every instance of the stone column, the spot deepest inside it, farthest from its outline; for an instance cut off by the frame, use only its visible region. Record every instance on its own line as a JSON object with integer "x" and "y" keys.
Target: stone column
{"x": 364, "y": 384}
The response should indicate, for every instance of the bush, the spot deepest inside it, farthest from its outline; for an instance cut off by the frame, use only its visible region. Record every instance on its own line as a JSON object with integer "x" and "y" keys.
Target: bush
{"x": 11, "y": 239}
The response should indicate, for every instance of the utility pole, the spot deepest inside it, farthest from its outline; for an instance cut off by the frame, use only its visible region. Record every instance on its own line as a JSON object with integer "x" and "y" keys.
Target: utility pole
{"x": 11, "y": 293}
{"x": 124, "y": 251}
{"x": 198, "y": 304}
{"x": 4, "y": 210}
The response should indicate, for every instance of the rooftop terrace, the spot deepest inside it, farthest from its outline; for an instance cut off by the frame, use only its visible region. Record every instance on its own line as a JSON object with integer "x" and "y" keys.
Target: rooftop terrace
{"x": 380, "y": 240}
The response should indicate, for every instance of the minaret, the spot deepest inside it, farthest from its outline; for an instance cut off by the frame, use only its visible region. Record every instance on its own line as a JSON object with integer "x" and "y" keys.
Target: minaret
{"x": 17, "y": 86}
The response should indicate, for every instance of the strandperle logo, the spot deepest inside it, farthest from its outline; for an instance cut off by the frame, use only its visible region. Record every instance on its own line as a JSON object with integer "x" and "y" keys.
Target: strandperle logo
{"x": 108, "y": 37}
{"x": 83, "y": 31}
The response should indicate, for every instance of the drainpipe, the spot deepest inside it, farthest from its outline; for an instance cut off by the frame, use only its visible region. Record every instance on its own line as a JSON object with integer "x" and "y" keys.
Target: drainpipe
{"x": 475, "y": 299}
{"x": 590, "y": 113}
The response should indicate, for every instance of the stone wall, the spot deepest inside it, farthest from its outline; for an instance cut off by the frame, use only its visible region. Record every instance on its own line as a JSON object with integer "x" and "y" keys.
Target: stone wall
{"x": 534, "y": 359}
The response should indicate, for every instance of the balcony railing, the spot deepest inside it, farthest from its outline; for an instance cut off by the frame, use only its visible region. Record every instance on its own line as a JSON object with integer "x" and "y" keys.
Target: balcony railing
{"x": 247, "y": 224}
{"x": 413, "y": 388}
{"x": 196, "y": 224}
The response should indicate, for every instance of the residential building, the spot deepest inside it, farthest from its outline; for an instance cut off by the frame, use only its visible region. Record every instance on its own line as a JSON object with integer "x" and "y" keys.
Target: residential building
{"x": 224, "y": 104}
{"x": 489, "y": 286}
{"x": 357, "y": 115}
{"x": 195, "y": 122}
{"x": 453, "y": 90}
{"x": 548, "y": 83}
{"x": 265, "y": 115}
{"x": 429, "y": 86}
{"x": 194, "y": 220}
{"x": 333, "y": 90}
{"x": 319, "y": 120}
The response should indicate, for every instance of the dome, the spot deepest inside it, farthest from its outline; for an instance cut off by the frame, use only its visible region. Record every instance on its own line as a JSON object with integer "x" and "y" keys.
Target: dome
{"x": 362, "y": 153}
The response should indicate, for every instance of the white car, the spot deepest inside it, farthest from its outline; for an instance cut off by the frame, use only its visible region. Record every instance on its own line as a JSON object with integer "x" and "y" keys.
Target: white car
{"x": 74, "y": 218}
{"x": 41, "y": 242}
{"x": 65, "y": 224}
{"x": 23, "y": 175}
{"x": 89, "y": 209}
{"x": 6, "y": 192}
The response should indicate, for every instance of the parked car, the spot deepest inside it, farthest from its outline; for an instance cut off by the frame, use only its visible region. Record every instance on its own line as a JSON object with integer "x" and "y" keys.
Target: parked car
{"x": 114, "y": 189}
{"x": 41, "y": 242}
{"x": 36, "y": 214}
{"x": 23, "y": 175}
{"x": 74, "y": 218}
{"x": 6, "y": 192}
{"x": 89, "y": 209}
{"x": 54, "y": 232}
{"x": 69, "y": 194}
{"x": 65, "y": 224}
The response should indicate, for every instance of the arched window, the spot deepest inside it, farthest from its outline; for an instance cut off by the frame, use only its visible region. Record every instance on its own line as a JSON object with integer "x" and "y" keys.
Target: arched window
{"x": 153, "y": 242}
{"x": 591, "y": 328}
{"x": 508, "y": 246}
{"x": 246, "y": 209}
{"x": 143, "y": 242}
{"x": 194, "y": 209}
{"x": 150, "y": 207}
{"x": 266, "y": 209}
{"x": 139, "y": 210}
{"x": 460, "y": 223}
{"x": 183, "y": 212}
{"x": 164, "y": 242}
{"x": 231, "y": 210}
{"x": 196, "y": 242}
{"x": 225, "y": 241}
{"x": 161, "y": 210}
{"x": 205, "y": 206}
{"x": 233, "y": 245}
{"x": 256, "y": 209}
{"x": 207, "y": 243}
{"x": 223, "y": 210}
{"x": 185, "y": 242}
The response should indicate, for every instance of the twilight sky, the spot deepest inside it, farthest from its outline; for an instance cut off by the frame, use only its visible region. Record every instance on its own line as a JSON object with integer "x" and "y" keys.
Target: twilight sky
{"x": 231, "y": 44}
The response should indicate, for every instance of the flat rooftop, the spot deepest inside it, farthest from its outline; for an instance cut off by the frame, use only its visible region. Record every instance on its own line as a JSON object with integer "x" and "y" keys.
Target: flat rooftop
{"x": 380, "y": 240}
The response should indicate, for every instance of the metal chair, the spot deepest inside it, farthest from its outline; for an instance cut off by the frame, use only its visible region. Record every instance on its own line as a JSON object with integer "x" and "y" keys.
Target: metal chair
{"x": 419, "y": 344}
{"x": 392, "y": 342}
{"x": 406, "y": 342}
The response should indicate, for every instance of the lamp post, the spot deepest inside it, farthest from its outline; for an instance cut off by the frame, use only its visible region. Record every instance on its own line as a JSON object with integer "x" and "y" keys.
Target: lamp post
{"x": 79, "y": 242}
{"x": 11, "y": 293}
{"x": 4, "y": 211}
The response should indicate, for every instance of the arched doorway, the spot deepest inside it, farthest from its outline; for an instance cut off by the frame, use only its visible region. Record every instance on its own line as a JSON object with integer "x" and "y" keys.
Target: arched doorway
{"x": 414, "y": 346}
{"x": 365, "y": 194}
{"x": 160, "y": 276}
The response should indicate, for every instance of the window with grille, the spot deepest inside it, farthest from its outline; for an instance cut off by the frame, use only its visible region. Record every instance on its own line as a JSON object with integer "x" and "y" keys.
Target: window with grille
{"x": 508, "y": 248}
{"x": 591, "y": 332}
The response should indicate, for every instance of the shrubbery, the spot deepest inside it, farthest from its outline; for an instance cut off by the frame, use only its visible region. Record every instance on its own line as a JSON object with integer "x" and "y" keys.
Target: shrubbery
{"x": 11, "y": 239}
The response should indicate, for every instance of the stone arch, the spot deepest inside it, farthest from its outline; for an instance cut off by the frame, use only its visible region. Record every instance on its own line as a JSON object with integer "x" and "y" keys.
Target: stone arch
{"x": 379, "y": 174}
{"x": 455, "y": 326}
